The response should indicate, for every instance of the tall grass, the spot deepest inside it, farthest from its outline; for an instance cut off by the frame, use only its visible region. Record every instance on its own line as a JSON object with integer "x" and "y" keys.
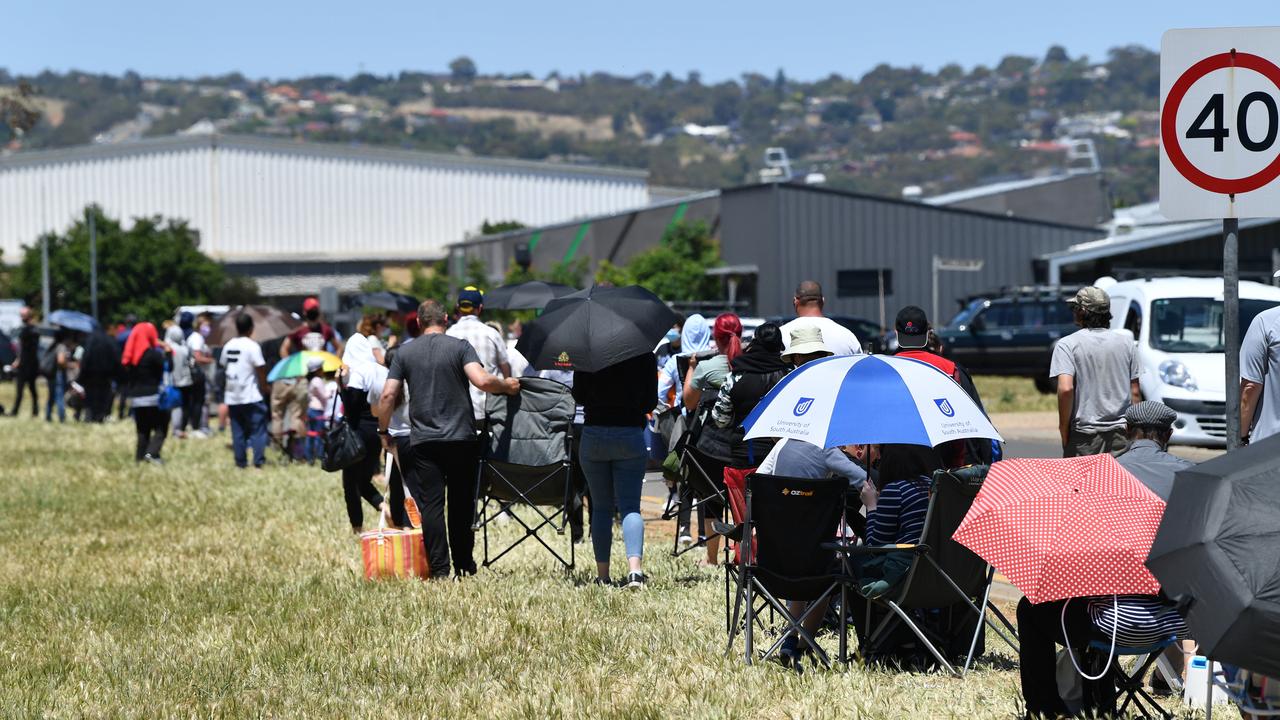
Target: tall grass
{"x": 196, "y": 590}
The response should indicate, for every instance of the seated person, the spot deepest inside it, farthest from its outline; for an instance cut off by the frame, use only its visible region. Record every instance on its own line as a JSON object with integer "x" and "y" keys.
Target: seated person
{"x": 1143, "y": 620}
{"x": 898, "y": 515}
{"x": 802, "y": 460}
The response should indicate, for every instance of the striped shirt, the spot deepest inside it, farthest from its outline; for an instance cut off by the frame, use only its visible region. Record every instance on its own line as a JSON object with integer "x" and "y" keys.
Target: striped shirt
{"x": 489, "y": 347}
{"x": 1145, "y": 620}
{"x": 900, "y": 513}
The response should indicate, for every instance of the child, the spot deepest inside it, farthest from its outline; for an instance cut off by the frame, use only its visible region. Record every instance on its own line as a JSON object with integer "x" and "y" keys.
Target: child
{"x": 318, "y": 399}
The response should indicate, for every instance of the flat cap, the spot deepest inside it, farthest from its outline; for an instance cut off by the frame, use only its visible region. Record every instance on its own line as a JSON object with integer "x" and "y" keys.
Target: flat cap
{"x": 1150, "y": 413}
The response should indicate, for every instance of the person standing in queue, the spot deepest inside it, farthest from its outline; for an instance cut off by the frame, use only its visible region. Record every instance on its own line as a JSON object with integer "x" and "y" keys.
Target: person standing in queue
{"x": 615, "y": 405}
{"x": 143, "y": 362}
{"x": 245, "y": 381}
{"x": 438, "y": 371}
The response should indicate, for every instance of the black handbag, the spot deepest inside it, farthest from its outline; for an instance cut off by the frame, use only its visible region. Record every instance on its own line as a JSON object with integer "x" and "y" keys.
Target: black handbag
{"x": 343, "y": 446}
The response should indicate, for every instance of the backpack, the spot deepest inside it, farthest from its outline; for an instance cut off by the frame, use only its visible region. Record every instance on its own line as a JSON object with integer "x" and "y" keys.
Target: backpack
{"x": 49, "y": 362}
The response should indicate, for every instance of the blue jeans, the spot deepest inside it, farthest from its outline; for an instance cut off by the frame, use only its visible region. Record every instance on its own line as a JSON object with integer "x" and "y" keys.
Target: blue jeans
{"x": 57, "y": 397}
{"x": 315, "y": 434}
{"x": 249, "y": 429}
{"x": 613, "y": 460}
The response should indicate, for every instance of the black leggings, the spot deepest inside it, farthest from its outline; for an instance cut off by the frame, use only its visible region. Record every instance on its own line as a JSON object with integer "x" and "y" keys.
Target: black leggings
{"x": 152, "y": 425}
{"x": 396, "y": 482}
{"x": 1039, "y": 634}
{"x": 193, "y": 402}
{"x": 357, "y": 480}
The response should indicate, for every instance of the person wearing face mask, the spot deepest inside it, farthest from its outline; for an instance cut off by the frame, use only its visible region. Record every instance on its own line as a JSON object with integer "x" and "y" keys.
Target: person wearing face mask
{"x": 193, "y": 410}
{"x": 315, "y": 333}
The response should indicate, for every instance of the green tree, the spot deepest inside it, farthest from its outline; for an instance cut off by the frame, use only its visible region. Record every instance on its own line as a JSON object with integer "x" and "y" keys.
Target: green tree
{"x": 675, "y": 269}
{"x": 500, "y": 226}
{"x": 149, "y": 269}
{"x": 463, "y": 70}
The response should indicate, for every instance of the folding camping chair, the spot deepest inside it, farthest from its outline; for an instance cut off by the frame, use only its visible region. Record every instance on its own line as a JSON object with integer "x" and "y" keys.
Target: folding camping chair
{"x": 793, "y": 522}
{"x": 527, "y": 461}
{"x": 704, "y": 484}
{"x": 942, "y": 574}
{"x": 1129, "y": 684}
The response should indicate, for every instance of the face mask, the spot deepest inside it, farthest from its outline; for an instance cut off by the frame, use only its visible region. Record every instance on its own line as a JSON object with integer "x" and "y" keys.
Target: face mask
{"x": 205, "y": 330}
{"x": 313, "y": 315}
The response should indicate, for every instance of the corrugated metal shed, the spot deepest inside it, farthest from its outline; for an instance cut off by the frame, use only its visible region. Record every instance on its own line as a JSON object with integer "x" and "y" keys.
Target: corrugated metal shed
{"x": 255, "y": 199}
{"x": 1075, "y": 199}
{"x": 772, "y": 236}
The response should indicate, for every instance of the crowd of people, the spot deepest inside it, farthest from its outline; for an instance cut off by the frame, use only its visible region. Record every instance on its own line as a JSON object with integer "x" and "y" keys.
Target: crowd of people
{"x": 421, "y": 398}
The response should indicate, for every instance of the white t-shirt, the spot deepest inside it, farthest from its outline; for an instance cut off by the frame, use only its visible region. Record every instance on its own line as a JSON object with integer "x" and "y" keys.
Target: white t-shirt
{"x": 839, "y": 339}
{"x": 242, "y": 357}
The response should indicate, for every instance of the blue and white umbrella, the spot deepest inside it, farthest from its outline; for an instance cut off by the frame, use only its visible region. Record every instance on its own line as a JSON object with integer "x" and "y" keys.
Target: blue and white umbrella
{"x": 73, "y": 320}
{"x": 868, "y": 399}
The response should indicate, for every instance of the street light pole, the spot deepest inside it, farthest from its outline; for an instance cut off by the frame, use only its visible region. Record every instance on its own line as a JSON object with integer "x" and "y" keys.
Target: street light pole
{"x": 93, "y": 262}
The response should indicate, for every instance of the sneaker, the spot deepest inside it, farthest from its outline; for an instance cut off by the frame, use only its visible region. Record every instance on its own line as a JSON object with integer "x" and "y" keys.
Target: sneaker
{"x": 684, "y": 537}
{"x": 199, "y": 435}
{"x": 634, "y": 581}
{"x": 600, "y": 581}
{"x": 153, "y": 460}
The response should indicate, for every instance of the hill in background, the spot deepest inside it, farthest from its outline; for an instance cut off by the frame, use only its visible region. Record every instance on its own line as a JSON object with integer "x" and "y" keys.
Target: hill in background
{"x": 891, "y": 128}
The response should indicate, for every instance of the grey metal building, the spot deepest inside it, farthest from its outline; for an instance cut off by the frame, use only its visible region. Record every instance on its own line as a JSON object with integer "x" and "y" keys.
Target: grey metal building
{"x": 1078, "y": 198}
{"x": 774, "y": 235}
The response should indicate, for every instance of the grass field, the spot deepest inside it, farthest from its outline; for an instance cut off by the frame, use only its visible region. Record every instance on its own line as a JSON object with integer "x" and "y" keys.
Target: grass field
{"x": 195, "y": 590}
{"x": 1012, "y": 394}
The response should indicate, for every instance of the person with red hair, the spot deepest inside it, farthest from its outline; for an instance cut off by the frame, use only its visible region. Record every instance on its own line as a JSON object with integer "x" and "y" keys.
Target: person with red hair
{"x": 703, "y": 381}
{"x": 143, "y": 365}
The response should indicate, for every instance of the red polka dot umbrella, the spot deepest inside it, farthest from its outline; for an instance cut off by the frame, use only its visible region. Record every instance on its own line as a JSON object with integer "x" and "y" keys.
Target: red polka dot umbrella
{"x": 1065, "y": 528}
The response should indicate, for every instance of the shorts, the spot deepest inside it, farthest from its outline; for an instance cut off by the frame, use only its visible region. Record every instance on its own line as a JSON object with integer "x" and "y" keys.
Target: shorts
{"x": 288, "y": 407}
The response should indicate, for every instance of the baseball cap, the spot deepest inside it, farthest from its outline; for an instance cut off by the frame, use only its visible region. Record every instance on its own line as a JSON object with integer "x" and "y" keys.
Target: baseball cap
{"x": 1091, "y": 299}
{"x": 310, "y": 304}
{"x": 315, "y": 365}
{"x": 470, "y": 298}
{"x": 913, "y": 327}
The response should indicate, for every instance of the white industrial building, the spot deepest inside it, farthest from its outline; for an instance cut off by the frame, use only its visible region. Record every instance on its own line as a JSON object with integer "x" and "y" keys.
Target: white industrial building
{"x": 296, "y": 214}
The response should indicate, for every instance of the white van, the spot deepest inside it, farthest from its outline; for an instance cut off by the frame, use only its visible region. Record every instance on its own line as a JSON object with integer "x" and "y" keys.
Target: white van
{"x": 1177, "y": 323}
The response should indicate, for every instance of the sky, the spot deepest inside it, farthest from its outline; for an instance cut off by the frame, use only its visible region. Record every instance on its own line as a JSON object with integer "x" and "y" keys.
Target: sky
{"x": 808, "y": 39}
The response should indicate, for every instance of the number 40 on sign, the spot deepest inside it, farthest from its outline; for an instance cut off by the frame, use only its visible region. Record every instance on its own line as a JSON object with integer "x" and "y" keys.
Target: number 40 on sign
{"x": 1220, "y": 123}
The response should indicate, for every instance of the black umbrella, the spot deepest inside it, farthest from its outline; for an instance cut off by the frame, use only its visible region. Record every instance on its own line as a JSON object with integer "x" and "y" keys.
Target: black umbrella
{"x": 532, "y": 295}
{"x": 387, "y": 300}
{"x": 595, "y": 328}
{"x": 1218, "y": 551}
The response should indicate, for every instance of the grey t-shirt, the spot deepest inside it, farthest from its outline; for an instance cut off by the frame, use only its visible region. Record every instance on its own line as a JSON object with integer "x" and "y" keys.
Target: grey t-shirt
{"x": 439, "y": 405}
{"x": 1103, "y": 363}
{"x": 1260, "y": 363}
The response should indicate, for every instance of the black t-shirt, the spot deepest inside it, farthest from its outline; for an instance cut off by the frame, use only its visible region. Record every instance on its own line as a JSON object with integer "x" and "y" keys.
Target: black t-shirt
{"x": 29, "y": 352}
{"x": 620, "y": 395}
{"x": 431, "y": 367}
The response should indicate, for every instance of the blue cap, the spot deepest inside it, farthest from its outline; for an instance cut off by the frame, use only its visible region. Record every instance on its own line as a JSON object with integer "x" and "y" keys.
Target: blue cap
{"x": 470, "y": 298}
{"x": 186, "y": 319}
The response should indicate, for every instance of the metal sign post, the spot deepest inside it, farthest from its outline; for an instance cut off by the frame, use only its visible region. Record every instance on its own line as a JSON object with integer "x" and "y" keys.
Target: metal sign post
{"x": 1219, "y": 155}
{"x": 93, "y": 262}
{"x": 952, "y": 265}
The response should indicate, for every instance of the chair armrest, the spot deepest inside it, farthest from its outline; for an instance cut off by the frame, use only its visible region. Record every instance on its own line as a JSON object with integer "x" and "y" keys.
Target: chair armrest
{"x": 875, "y": 550}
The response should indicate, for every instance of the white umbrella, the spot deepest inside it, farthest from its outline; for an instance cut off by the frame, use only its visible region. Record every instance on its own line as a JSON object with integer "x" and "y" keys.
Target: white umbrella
{"x": 868, "y": 399}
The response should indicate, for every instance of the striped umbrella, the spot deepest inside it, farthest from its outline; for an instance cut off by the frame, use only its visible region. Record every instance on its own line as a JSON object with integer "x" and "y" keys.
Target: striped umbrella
{"x": 296, "y": 364}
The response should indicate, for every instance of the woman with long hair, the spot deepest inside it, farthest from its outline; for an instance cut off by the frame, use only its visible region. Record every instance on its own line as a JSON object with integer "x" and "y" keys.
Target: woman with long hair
{"x": 711, "y": 449}
{"x": 143, "y": 366}
{"x": 362, "y": 372}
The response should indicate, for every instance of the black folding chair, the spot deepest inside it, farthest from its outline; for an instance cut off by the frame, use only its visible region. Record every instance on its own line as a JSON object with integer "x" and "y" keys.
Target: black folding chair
{"x": 1130, "y": 684}
{"x": 942, "y": 574}
{"x": 702, "y": 486}
{"x": 793, "y": 557}
{"x": 527, "y": 464}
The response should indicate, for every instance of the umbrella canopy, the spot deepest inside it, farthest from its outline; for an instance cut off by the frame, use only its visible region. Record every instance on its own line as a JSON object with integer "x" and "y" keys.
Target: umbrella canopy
{"x": 1219, "y": 548}
{"x": 295, "y": 365}
{"x": 1065, "y": 528}
{"x": 868, "y": 399}
{"x": 268, "y": 324}
{"x": 532, "y": 295}
{"x": 595, "y": 328}
{"x": 387, "y": 300}
{"x": 72, "y": 320}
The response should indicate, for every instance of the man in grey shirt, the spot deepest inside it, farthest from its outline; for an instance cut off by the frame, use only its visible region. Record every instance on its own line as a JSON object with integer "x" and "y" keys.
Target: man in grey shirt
{"x": 1260, "y": 378}
{"x": 1097, "y": 376}
{"x": 439, "y": 370}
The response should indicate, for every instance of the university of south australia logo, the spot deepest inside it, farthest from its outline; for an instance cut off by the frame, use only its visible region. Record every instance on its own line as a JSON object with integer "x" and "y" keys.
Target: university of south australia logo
{"x": 944, "y": 405}
{"x": 802, "y": 406}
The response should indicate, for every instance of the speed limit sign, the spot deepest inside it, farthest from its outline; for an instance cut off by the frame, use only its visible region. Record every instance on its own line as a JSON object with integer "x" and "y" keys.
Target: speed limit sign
{"x": 1220, "y": 123}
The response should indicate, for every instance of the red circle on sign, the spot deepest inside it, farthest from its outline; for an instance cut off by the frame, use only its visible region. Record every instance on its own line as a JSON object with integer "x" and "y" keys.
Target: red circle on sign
{"x": 1169, "y": 131}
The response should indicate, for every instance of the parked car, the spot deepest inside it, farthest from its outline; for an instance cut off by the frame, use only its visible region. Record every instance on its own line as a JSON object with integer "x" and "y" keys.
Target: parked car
{"x": 1011, "y": 333}
{"x": 1177, "y": 324}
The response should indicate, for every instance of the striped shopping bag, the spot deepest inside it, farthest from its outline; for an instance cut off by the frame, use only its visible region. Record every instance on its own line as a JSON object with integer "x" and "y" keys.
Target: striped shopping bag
{"x": 393, "y": 553}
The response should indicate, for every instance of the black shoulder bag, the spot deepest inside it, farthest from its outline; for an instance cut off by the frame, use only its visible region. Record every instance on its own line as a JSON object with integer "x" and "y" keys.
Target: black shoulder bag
{"x": 343, "y": 446}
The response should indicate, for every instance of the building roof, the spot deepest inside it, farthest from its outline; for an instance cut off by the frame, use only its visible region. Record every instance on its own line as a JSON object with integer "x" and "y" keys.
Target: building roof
{"x": 980, "y": 191}
{"x": 367, "y": 153}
